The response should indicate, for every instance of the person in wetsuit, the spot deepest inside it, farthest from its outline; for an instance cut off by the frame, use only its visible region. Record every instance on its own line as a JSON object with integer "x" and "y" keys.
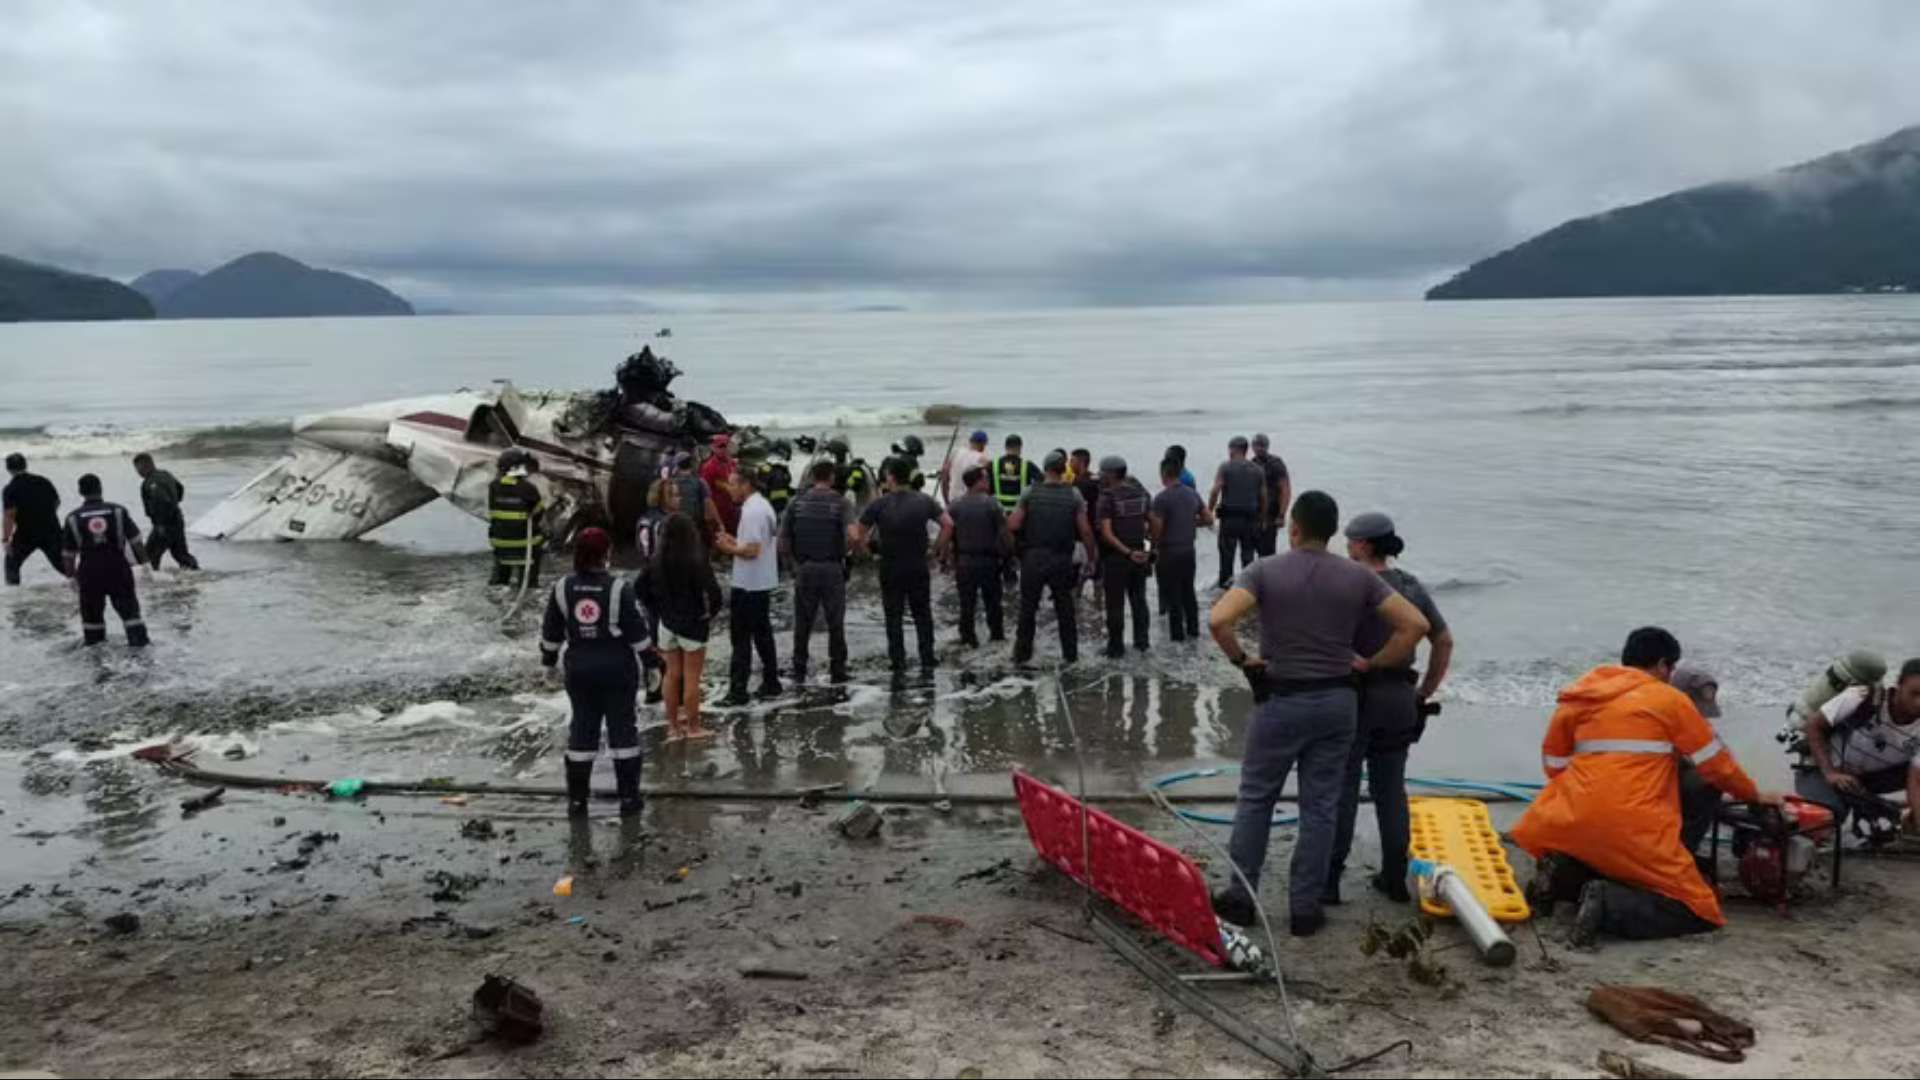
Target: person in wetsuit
{"x": 593, "y": 617}
{"x": 161, "y": 493}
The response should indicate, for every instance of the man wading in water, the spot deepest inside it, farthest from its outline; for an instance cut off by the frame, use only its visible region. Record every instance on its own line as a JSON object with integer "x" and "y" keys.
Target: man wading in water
{"x": 1312, "y": 606}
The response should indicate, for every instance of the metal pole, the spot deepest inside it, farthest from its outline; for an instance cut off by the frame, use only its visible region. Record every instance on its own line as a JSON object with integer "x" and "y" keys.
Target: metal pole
{"x": 1494, "y": 945}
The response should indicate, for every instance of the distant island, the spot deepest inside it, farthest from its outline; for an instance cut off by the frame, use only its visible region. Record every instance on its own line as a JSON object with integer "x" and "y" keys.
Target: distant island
{"x": 266, "y": 285}
{"x": 30, "y": 292}
{"x": 1845, "y": 223}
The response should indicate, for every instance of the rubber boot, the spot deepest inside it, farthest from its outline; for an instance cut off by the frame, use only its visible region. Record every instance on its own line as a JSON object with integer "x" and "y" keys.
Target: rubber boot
{"x": 579, "y": 788}
{"x": 626, "y": 774}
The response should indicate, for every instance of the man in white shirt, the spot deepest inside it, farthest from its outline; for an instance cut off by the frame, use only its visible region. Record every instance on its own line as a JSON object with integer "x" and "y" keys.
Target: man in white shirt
{"x": 756, "y": 573}
{"x": 971, "y": 456}
{"x": 1865, "y": 742}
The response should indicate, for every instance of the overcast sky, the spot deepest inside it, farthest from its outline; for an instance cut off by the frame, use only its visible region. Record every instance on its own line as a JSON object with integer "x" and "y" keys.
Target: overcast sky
{"x": 588, "y": 154}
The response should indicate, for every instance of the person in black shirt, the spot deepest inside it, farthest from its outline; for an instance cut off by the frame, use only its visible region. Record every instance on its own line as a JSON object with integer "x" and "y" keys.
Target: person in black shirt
{"x": 1050, "y": 520}
{"x": 32, "y": 519}
{"x": 680, "y": 596}
{"x": 161, "y": 494}
{"x": 99, "y": 538}
{"x": 981, "y": 543}
{"x": 814, "y": 534}
{"x": 1125, "y": 562}
{"x": 901, "y": 517}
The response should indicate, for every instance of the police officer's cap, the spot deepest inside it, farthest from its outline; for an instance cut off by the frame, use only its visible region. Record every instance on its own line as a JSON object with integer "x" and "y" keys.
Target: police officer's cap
{"x": 1113, "y": 463}
{"x": 1370, "y": 527}
{"x": 1056, "y": 462}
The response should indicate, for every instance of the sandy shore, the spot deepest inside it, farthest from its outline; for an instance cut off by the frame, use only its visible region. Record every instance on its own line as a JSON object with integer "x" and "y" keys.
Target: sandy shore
{"x": 266, "y": 947}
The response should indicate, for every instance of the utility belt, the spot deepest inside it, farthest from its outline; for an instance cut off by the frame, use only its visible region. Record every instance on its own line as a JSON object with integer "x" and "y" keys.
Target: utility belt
{"x": 828, "y": 560}
{"x": 1064, "y": 550}
{"x": 994, "y": 556}
{"x": 1389, "y": 676}
{"x": 1238, "y": 513}
{"x": 1294, "y": 687}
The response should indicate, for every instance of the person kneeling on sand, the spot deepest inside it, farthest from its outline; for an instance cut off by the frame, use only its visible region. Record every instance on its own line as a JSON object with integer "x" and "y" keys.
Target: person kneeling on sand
{"x": 1606, "y": 829}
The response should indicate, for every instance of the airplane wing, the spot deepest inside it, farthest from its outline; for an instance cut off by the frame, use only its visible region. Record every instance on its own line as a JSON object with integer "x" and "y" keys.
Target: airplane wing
{"x": 316, "y": 494}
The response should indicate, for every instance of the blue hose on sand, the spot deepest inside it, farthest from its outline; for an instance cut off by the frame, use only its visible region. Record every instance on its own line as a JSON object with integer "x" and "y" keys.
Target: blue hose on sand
{"x": 1496, "y": 790}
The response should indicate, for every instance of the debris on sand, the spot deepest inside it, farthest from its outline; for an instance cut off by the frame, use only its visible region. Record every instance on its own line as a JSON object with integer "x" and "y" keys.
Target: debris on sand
{"x": 860, "y": 822}
{"x": 753, "y": 969}
{"x": 450, "y": 888}
{"x": 124, "y": 923}
{"x": 690, "y": 898}
{"x": 509, "y": 1011}
{"x": 479, "y": 829}
{"x": 206, "y": 801}
{"x": 1627, "y": 1068}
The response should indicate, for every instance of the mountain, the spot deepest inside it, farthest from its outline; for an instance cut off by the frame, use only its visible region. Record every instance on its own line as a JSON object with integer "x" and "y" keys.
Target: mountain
{"x": 265, "y": 285}
{"x": 30, "y": 292}
{"x": 1848, "y": 222}
{"x": 157, "y": 285}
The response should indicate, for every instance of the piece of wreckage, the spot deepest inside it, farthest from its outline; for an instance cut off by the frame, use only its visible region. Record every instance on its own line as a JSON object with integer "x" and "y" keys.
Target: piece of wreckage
{"x": 351, "y": 471}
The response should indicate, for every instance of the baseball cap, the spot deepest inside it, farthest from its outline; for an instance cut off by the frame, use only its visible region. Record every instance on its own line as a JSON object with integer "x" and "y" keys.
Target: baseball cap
{"x": 1693, "y": 679}
{"x": 1370, "y": 527}
{"x": 979, "y": 437}
{"x": 1262, "y": 441}
{"x": 1239, "y": 442}
{"x": 1113, "y": 463}
{"x": 1056, "y": 462}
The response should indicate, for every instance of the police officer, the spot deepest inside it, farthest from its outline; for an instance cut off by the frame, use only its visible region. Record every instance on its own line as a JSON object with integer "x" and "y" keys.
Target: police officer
{"x": 1125, "y": 563}
{"x": 981, "y": 542}
{"x": 32, "y": 519}
{"x": 160, "y": 493}
{"x": 515, "y": 506}
{"x": 1013, "y": 475}
{"x": 901, "y": 517}
{"x": 594, "y": 617}
{"x": 1239, "y": 501}
{"x": 814, "y": 532}
{"x": 1279, "y": 494}
{"x": 99, "y": 538}
{"x": 1050, "y": 518}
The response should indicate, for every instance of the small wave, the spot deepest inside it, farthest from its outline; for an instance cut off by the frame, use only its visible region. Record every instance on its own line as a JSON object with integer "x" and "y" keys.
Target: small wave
{"x": 114, "y": 440}
{"x": 1875, "y": 403}
{"x": 940, "y": 416}
{"x": 1492, "y": 579}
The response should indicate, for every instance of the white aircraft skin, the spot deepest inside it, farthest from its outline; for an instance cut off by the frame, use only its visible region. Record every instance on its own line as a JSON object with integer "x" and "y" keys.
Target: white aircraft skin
{"x": 351, "y": 471}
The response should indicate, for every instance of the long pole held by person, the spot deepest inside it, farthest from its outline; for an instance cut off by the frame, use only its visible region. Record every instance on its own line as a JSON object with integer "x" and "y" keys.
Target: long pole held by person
{"x": 946, "y": 465}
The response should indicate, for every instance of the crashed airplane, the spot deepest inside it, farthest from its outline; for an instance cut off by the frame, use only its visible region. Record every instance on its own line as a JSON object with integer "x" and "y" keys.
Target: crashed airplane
{"x": 352, "y": 471}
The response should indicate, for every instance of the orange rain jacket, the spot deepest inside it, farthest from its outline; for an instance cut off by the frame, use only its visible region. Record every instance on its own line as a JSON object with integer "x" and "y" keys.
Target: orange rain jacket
{"x": 1612, "y": 799}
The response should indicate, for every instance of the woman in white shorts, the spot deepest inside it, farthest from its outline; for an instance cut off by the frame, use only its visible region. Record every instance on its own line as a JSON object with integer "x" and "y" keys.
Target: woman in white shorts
{"x": 679, "y": 589}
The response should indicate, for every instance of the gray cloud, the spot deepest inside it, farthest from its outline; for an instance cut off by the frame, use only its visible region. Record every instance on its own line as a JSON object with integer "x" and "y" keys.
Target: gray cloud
{"x": 608, "y": 153}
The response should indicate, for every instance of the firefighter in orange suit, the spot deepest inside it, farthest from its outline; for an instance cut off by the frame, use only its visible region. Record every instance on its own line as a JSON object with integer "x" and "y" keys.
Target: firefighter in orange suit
{"x": 1606, "y": 830}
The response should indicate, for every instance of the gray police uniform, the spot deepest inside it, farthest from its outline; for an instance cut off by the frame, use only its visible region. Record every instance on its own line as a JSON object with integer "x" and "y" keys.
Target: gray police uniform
{"x": 1125, "y": 505}
{"x": 1048, "y": 534}
{"x": 979, "y": 528}
{"x": 815, "y": 527}
{"x": 1239, "y": 515}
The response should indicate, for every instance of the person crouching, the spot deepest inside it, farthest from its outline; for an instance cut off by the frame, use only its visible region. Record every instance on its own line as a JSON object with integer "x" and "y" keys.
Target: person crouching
{"x": 594, "y": 617}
